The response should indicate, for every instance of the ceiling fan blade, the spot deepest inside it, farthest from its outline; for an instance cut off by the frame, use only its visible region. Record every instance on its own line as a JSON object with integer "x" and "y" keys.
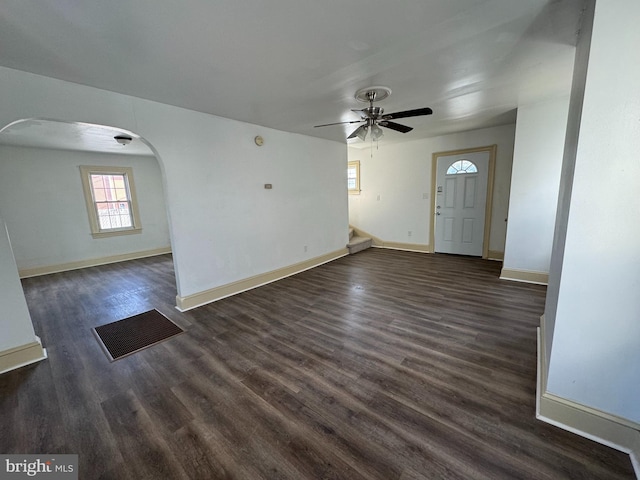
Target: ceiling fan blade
{"x": 337, "y": 123}
{"x": 408, "y": 113}
{"x": 395, "y": 126}
{"x": 361, "y": 132}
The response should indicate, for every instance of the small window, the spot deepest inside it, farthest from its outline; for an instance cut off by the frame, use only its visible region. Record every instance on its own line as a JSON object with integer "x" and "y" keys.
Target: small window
{"x": 462, "y": 166}
{"x": 353, "y": 178}
{"x": 111, "y": 202}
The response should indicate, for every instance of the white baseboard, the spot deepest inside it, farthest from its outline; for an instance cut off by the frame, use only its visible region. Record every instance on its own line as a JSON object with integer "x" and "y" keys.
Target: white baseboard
{"x": 218, "y": 293}
{"x": 22, "y": 355}
{"x": 495, "y": 255}
{"x": 379, "y": 243}
{"x": 91, "y": 262}
{"x": 601, "y": 427}
{"x": 526, "y": 276}
{"x": 405, "y": 247}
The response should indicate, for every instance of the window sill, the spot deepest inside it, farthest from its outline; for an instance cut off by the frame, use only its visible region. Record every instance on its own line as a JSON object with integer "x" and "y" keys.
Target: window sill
{"x": 116, "y": 233}
{"x": 354, "y": 192}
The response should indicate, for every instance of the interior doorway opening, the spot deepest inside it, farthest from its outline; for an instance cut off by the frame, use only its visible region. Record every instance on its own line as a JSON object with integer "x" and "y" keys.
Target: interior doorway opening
{"x": 43, "y": 201}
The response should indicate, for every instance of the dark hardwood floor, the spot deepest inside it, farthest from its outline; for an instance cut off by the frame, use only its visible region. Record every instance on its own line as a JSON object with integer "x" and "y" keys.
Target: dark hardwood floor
{"x": 381, "y": 365}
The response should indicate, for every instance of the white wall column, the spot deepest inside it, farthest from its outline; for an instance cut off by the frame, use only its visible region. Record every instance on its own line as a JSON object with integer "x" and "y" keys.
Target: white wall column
{"x": 595, "y": 358}
{"x": 19, "y": 344}
{"x": 591, "y": 324}
{"x": 535, "y": 180}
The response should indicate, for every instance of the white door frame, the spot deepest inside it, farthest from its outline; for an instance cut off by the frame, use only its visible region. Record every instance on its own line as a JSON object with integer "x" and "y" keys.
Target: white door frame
{"x": 487, "y": 214}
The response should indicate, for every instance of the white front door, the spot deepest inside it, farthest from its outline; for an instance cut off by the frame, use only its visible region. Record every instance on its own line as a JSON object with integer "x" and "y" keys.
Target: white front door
{"x": 461, "y": 198}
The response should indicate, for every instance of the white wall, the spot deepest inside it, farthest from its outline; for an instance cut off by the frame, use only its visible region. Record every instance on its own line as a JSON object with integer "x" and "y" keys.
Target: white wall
{"x": 595, "y": 357}
{"x": 224, "y": 225}
{"x": 535, "y": 181}
{"x": 401, "y": 175}
{"x": 45, "y": 212}
{"x": 15, "y": 323}
{"x": 578, "y": 83}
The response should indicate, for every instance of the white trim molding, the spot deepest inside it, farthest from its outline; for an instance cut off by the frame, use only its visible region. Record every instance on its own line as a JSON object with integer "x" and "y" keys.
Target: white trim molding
{"x": 218, "y": 293}
{"x": 22, "y": 356}
{"x": 406, "y": 247}
{"x": 91, "y": 262}
{"x": 526, "y": 276}
{"x": 89, "y": 196}
{"x": 495, "y": 255}
{"x": 601, "y": 427}
{"x": 379, "y": 243}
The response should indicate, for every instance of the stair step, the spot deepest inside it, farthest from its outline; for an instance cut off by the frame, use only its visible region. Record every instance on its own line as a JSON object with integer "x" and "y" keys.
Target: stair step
{"x": 357, "y": 244}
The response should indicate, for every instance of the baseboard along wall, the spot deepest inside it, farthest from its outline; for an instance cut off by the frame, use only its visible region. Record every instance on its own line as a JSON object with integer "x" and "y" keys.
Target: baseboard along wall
{"x": 527, "y": 276}
{"x": 91, "y": 262}
{"x": 412, "y": 247}
{"x": 598, "y": 426}
{"x": 22, "y": 356}
{"x": 218, "y": 293}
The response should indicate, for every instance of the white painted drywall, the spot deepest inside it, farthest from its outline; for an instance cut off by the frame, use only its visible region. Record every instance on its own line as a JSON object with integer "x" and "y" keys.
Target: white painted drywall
{"x": 581, "y": 65}
{"x": 535, "y": 181}
{"x": 16, "y": 328}
{"x": 224, "y": 225}
{"x": 595, "y": 358}
{"x": 400, "y": 176}
{"x": 43, "y": 206}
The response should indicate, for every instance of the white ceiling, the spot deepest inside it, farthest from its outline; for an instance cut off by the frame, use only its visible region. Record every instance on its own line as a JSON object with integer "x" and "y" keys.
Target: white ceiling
{"x": 293, "y": 64}
{"x": 71, "y": 136}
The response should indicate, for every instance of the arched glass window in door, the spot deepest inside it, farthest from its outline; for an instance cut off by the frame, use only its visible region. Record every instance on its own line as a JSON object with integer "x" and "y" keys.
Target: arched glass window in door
{"x": 462, "y": 166}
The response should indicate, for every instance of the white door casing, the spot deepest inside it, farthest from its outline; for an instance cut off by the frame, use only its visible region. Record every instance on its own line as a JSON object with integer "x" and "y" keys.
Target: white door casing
{"x": 461, "y": 202}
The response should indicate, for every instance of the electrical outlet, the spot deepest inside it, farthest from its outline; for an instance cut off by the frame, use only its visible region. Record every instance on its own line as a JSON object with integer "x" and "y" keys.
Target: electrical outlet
{"x": 409, "y": 233}
{"x": 378, "y": 197}
{"x": 305, "y": 248}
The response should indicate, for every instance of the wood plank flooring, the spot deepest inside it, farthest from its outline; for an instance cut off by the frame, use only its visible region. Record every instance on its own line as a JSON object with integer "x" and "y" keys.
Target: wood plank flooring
{"x": 382, "y": 365}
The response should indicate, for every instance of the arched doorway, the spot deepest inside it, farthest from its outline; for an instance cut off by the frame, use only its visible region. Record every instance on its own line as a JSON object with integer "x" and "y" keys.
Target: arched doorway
{"x": 43, "y": 206}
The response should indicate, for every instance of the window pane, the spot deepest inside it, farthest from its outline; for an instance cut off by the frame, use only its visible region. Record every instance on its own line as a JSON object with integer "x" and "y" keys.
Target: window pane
{"x": 103, "y": 215}
{"x": 462, "y": 166}
{"x": 99, "y": 194}
{"x": 96, "y": 181}
{"x": 114, "y": 215}
{"x": 118, "y": 181}
{"x": 121, "y": 194}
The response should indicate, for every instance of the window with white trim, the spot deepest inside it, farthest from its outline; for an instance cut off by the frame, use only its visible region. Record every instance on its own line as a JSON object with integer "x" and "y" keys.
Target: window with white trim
{"x": 111, "y": 201}
{"x": 353, "y": 177}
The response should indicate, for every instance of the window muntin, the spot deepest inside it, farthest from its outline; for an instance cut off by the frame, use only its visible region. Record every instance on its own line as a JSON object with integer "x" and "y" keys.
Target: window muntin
{"x": 353, "y": 177}
{"x": 462, "y": 167}
{"x": 111, "y": 201}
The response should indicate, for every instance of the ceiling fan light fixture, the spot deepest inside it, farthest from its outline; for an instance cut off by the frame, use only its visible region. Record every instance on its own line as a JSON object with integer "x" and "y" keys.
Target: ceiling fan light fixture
{"x": 362, "y": 132}
{"x": 123, "y": 139}
{"x": 376, "y": 132}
